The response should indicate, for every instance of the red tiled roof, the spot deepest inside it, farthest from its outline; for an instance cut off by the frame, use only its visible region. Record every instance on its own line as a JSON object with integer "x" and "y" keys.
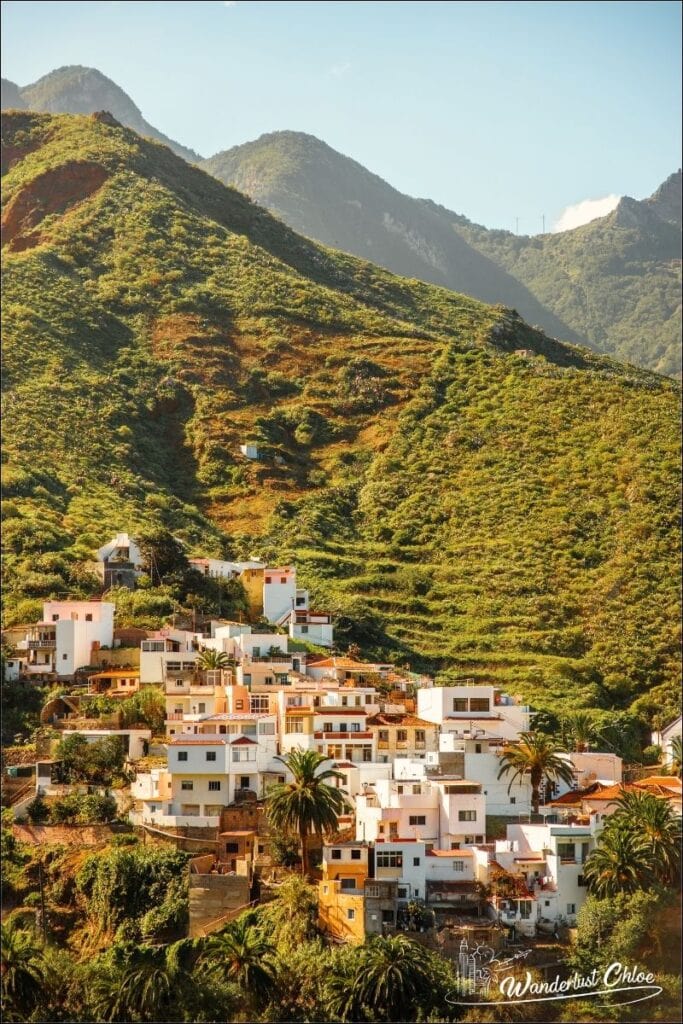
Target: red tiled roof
{"x": 404, "y": 718}
{"x": 242, "y": 740}
{"x": 339, "y": 711}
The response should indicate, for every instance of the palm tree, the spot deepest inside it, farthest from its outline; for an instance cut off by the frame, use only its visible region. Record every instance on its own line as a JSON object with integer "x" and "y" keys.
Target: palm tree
{"x": 676, "y": 756}
{"x": 538, "y": 756}
{"x": 579, "y": 728}
{"x": 393, "y": 978}
{"x": 308, "y": 804}
{"x": 243, "y": 955}
{"x": 653, "y": 820}
{"x": 620, "y": 862}
{"x": 143, "y": 982}
{"x": 22, "y": 968}
{"x": 210, "y": 659}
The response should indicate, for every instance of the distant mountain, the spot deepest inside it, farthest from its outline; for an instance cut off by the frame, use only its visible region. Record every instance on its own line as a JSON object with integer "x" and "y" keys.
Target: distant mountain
{"x": 10, "y": 97}
{"x": 80, "y": 90}
{"x": 616, "y": 280}
{"x": 335, "y": 200}
{"x": 612, "y": 284}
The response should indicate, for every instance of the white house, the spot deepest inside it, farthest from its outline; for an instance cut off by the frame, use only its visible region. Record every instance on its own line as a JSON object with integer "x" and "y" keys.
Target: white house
{"x": 250, "y": 451}
{"x": 315, "y": 627}
{"x": 472, "y": 710}
{"x": 79, "y": 626}
{"x": 120, "y": 561}
{"x": 549, "y": 860}
{"x": 218, "y": 568}
{"x": 169, "y": 654}
{"x": 280, "y": 593}
{"x": 447, "y": 813}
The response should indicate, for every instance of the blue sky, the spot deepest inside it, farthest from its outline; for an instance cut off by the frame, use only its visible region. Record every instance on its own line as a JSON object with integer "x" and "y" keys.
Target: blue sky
{"x": 497, "y": 110}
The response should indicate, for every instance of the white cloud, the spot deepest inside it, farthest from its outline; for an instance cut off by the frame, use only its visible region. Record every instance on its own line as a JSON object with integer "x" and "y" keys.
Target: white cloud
{"x": 339, "y": 70}
{"x": 585, "y": 211}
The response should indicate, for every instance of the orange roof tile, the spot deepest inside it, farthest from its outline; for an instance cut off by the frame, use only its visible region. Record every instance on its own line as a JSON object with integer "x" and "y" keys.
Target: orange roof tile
{"x": 402, "y": 718}
{"x": 450, "y": 853}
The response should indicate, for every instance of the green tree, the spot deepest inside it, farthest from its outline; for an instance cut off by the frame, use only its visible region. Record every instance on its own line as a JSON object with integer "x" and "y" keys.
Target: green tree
{"x": 209, "y": 660}
{"x": 654, "y": 821}
{"x": 578, "y": 729}
{"x": 243, "y": 955}
{"x": 393, "y": 978}
{"x": 22, "y": 964}
{"x": 537, "y": 756}
{"x": 676, "y": 756}
{"x": 96, "y": 763}
{"x": 308, "y": 804}
{"x": 619, "y": 863}
{"x": 615, "y": 928}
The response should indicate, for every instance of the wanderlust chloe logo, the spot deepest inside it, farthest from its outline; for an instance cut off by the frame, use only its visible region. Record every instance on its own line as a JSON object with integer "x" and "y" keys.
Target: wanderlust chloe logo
{"x": 484, "y": 973}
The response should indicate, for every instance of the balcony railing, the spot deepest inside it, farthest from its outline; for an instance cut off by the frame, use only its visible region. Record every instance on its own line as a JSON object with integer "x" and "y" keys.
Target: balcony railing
{"x": 37, "y": 645}
{"x": 337, "y": 735}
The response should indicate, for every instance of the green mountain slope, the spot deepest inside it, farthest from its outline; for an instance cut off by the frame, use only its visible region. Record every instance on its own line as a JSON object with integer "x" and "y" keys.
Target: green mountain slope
{"x": 616, "y": 280}
{"x": 467, "y": 509}
{"x": 79, "y": 90}
{"x": 336, "y": 201}
{"x": 613, "y": 284}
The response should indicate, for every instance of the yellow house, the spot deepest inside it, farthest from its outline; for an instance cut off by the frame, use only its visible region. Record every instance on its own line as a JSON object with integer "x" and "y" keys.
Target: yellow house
{"x": 252, "y": 581}
{"x": 402, "y": 735}
{"x": 341, "y": 913}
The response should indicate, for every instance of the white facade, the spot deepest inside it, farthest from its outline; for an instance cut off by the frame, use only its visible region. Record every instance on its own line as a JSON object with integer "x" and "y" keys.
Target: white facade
{"x": 78, "y": 626}
{"x": 122, "y": 548}
{"x": 313, "y": 627}
{"x": 220, "y": 569}
{"x": 665, "y": 738}
{"x": 279, "y": 593}
{"x": 471, "y": 711}
{"x": 446, "y": 813}
{"x": 167, "y": 654}
{"x": 250, "y": 451}
{"x": 551, "y": 860}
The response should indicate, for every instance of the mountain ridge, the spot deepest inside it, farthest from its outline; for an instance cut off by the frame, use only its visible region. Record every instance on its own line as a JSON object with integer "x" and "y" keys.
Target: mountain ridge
{"x": 75, "y": 89}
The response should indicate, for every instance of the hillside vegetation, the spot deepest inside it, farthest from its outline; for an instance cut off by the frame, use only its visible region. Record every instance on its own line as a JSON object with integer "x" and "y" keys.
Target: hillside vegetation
{"x": 613, "y": 284}
{"x": 468, "y": 510}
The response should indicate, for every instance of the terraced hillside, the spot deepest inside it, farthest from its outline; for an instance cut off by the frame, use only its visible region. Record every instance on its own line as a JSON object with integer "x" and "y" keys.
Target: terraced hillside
{"x": 465, "y": 493}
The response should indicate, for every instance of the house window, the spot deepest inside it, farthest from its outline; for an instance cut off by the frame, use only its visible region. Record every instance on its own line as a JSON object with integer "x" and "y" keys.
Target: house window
{"x": 336, "y": 855}
{"x": 367, "y": 753}
{"x": 295, "y": 725}
{"x": 565, "y": 851}
{"x": 267, "y": 729}
{"x": 458, "y": 865}
{"x": 239, "y": 705}
{"x": 327, "y": 727}
{"x": 479, "y": 839}
{"x": 417, "y": 893}
{"x": 480, "y": 704}
{"x": 416, "y": 862}
{"x": 350, "y": 914}
{"x": 383, "y": 736}
{"x": 63, "y": 658}
{"x": 417, "y": 819}
{"x": 55, "y": 618}
{"x": 401, "y": 735}
{"x": 185, "y": 784}
{"x": 304, "y": 629}
{"x": 402, "y": 894}
{"x": 211, "y": 755}
{"x": 283, "y": 579}
{"x": 214, "y": 786}
{"x": 417, "y": 790}
{"x": 467, "y": 815}
{"x": 232, "y": 847}
{"x": 88, "y": 617}
{"x": 300, "y": 601}
{"x": 269, "y": 579}
{"x": 399, "y": 789}
{"x": 348, "y": 883}
{"x": 547, "y": 903}
{"x": 182, "y": 755}
{"x": 513, "y": 799}
{"x": 420, "y": 735}
{"x": 460, "y": 703}
{"x": 571, "y": 908}
{"x": 387, "y": 917}
{"x": 389, "y": 859}
{"x": 245, "y": 782}
{"x": 477, "y": 750}
{"x": 580, "y": 881}
{"x": 355, "y": 854}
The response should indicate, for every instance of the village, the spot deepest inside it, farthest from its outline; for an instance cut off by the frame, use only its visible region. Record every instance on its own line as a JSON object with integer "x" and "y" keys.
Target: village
{"x": 436, "y": 830}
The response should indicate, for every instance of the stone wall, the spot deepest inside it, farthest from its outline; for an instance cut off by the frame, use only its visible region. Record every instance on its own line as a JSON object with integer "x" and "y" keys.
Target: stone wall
{"x": 214, "y": 899}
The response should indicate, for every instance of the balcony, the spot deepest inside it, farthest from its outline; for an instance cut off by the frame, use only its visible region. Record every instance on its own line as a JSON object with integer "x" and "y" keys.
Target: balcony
{"x": 40, "y": 645}
{"x": 336, "y": 735}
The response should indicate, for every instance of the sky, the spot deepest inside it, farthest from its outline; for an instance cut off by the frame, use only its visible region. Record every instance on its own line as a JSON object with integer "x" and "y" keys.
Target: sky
{"x": 508, "y": 113}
